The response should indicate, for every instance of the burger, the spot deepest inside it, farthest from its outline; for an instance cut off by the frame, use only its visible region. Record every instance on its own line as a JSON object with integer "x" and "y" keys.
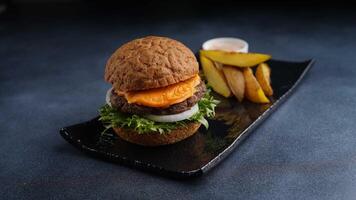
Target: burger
{"x": 157, "y": 97}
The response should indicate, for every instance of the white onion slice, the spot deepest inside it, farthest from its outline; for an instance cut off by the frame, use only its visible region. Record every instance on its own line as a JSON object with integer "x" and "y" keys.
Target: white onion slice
{"x": 175, "y": 117}
{"x": 107, "y": 98}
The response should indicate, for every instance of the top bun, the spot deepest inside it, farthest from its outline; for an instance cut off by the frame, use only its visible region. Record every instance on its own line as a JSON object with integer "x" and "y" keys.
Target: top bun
{"x": 150, "y": 62}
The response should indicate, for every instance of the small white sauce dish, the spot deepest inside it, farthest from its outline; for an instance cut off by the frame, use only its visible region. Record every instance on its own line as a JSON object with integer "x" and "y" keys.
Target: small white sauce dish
{"x": 226, "y": 44}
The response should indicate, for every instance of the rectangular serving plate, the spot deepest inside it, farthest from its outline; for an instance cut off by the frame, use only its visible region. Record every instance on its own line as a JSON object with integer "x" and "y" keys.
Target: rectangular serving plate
{"x": 198, "y": 154}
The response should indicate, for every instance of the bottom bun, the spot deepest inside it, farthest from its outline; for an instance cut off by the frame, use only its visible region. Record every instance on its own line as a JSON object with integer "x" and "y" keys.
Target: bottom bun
{"x": 157, "y": 139}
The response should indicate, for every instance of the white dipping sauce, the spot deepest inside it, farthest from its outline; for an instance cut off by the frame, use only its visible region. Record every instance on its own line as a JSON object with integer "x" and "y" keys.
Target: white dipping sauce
{"x": 226, "y": 44}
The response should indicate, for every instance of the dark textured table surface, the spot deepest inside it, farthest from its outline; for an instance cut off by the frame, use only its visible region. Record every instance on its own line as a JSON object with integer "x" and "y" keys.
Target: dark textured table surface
{"x": 51, "y": 75}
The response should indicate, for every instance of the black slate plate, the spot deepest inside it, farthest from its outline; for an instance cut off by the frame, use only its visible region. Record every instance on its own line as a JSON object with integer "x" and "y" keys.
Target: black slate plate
{"x": 201, "y": 152}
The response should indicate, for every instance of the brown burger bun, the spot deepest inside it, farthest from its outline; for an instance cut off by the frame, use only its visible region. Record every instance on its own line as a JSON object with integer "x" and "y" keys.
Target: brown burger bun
{"x": 150, "y": 62}
{"x": 157, "y": 139}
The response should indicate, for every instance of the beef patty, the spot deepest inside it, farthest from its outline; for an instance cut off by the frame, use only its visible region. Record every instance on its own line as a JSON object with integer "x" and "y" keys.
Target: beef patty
{"x": 121, "y": 104}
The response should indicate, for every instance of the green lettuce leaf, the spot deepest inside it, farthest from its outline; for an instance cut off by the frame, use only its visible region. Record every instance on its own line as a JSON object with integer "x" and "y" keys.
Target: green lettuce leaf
{"x": 110, "y": 117}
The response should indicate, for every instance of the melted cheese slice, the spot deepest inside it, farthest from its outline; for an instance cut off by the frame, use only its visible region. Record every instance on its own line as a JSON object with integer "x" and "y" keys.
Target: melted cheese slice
{"x": 164, "y": 97}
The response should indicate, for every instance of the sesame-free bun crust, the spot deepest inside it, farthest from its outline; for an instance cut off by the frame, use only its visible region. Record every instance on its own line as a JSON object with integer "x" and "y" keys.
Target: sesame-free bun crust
{"x": 150, "y": 62}
{"x": 157, "y": 139}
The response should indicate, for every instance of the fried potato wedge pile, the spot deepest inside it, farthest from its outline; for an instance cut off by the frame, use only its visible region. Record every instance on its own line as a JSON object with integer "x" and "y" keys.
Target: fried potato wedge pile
{"x": 231, "y": 73}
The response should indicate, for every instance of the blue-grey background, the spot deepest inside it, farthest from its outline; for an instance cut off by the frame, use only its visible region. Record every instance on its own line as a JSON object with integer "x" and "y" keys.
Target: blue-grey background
{"x": 51, "y": 75}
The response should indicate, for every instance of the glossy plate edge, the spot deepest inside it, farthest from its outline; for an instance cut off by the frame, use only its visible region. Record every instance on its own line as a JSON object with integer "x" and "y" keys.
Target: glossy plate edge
{"x": 64, "y": 132}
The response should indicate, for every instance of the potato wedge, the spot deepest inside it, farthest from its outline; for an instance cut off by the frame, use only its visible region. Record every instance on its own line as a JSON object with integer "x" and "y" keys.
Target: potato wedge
{"x": 263, "y": 74}
{"x": 253, "y": 89}
{"x": 215, "y": 77}
{"x": 235, "y": 58}
{"x": 236, "y": 81}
